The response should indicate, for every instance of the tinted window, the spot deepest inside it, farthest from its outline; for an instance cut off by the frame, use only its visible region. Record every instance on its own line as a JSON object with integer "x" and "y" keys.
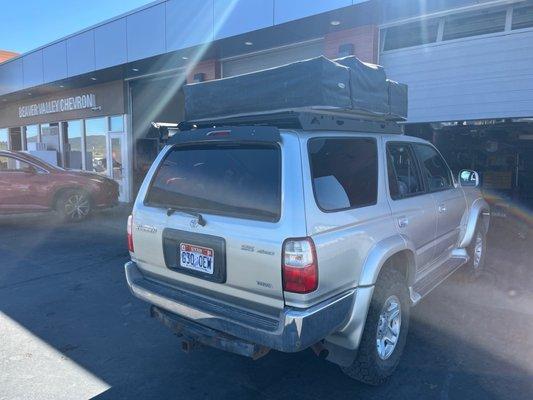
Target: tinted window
{"x": 344, "y": 172}
{"x": 472, "y": 24}
{"x": 434, "y": 168}
{"x": 404, "y": 175}
{"x": 13, "y": 165}
{"x": 236, "y": 180}
{"x": 523, "y": 17}
{"x": 413, "y": 34}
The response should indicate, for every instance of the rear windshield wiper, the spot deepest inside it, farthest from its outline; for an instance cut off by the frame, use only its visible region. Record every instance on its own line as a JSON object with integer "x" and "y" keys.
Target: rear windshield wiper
{"x": 198, "y": 216}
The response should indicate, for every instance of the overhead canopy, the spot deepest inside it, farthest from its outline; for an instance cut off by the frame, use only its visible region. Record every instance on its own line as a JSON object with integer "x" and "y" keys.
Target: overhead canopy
{"x": 346, "y": 84}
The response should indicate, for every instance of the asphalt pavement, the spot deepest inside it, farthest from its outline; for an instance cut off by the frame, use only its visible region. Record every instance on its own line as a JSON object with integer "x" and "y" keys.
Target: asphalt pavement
{"x": 70, "y": 329}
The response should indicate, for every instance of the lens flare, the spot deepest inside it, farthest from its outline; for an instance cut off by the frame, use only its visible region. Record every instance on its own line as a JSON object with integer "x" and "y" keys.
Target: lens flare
{"x": 194, "y": 59}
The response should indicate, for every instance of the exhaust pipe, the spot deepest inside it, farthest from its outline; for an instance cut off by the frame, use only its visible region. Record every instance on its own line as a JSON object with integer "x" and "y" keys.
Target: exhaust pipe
{"x": 320, "y": 351}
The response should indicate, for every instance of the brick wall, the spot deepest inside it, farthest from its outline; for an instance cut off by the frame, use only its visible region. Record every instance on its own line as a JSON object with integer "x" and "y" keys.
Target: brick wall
{"x": 363, "y": 38}
{"x": 211, "y": 69}
{"x": 6, "y": 55}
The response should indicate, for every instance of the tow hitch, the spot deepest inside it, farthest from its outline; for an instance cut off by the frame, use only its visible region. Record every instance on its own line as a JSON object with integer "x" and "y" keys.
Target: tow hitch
{"x": 193, "y": 336}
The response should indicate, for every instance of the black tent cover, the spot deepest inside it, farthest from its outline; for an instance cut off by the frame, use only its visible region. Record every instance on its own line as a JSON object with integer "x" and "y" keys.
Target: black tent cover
{"x": 346, "y": 84}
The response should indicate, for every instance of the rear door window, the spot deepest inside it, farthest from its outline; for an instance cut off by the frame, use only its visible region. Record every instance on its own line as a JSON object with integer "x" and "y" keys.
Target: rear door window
{"x": 344, "y": 172}
{"x": 241, "y": 180}
{"x": 9, "y": 164}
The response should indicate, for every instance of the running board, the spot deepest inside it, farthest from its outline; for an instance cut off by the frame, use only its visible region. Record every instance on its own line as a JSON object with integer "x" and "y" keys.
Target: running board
{"x": 429, "y": 282}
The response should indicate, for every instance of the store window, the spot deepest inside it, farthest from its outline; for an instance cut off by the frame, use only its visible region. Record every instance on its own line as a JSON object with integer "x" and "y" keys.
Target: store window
{"x": 413, "y": 34}
{"x": 32, "y": 136}
{"x": 116, "y": 123}
{"x": 95, "y": 145}
{"x": 73, "y": 133}
{"x": 50, "y": 136}
{"x": 15, "y": 139}
{"x": 4, "y": 134}
{"x": 473, "y": 24}
{"x": 522, "y": 17}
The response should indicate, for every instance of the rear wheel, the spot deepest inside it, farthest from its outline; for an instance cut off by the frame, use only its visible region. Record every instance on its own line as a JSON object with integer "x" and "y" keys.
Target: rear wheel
{"x": 385, "y": 331}
{"x": 73, "y": 206}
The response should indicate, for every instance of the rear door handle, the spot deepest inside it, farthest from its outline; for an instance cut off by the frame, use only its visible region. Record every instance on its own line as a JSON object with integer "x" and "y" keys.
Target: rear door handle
{"x": 403, "y": 222}
{"x": 442, "y": 208}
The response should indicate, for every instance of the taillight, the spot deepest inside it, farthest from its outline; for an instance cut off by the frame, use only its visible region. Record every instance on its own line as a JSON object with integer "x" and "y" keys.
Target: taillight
{"x": 300, "y": 267}
{"x": 130, "y": 233}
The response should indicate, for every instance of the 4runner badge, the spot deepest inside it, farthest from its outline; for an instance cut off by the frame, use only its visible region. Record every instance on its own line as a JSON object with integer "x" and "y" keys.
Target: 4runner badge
{"x": 146, "y": 228}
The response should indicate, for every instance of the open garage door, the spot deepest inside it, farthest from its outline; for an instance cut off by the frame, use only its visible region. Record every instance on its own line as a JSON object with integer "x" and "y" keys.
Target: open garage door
{"x": 501, "y": 151}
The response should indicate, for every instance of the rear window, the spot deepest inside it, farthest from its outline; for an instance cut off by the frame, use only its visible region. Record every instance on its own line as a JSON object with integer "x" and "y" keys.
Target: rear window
{"x": 241, "y": 180}
{"x": 344, "y": 172}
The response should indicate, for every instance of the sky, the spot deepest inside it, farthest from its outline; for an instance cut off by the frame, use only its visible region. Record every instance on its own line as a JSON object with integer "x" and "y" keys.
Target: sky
{"x": 28, "y": 24}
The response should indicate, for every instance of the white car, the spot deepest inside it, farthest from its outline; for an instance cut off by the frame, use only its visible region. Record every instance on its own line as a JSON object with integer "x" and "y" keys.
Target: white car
{"x": 251, "y": 238}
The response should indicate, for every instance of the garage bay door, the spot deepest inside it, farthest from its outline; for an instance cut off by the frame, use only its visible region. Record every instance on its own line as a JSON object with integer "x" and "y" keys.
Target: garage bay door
{"x": 272, "y": 58}
{"x": 479, "y": 78}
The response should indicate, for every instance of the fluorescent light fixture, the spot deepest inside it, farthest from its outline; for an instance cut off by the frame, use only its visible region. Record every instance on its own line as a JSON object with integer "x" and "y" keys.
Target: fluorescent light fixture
{"x": 93, "y": 78}
{"x": 335, "y": 23}
{"x": 248, "y": 43}
{"x": 61, "y": 86}
{"x": 184, "y": 58}
{"x": 135, "y": 69}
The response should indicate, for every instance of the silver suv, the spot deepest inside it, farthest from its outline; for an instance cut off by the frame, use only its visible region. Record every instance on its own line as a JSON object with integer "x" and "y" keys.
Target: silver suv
{"x": 251, "y": 238}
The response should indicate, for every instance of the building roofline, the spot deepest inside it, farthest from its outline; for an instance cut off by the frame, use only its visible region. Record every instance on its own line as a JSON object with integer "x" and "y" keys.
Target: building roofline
{"x": 86, "y": 29}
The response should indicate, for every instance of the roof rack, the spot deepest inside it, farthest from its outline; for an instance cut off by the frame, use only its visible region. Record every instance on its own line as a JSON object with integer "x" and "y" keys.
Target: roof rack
{"x": 308, "y": 120}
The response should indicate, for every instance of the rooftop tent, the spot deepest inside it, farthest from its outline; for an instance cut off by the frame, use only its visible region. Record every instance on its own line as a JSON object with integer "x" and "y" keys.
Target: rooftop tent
{"x": 346, "y": 85}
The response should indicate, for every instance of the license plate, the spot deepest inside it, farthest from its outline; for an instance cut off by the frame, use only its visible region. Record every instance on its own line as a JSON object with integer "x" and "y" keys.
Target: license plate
{"x": 197, "y": 258}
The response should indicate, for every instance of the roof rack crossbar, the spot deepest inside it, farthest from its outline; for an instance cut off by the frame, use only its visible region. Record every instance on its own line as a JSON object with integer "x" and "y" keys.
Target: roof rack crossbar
{"x": 305, "y": 120}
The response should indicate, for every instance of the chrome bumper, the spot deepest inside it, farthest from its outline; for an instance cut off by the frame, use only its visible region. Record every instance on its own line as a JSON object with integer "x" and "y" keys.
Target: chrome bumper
{"x": 293, "y": 330}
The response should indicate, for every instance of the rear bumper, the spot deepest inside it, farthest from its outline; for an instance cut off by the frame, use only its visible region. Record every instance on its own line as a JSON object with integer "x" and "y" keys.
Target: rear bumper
{"x": 293, "y": 330}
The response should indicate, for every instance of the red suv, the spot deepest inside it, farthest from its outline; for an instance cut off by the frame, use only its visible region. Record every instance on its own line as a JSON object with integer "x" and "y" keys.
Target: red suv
{"x": 28, "y": 185}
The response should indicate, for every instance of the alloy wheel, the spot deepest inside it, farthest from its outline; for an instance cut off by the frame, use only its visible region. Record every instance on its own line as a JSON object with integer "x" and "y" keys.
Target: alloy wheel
{"x": 388, "y": 330}
{"x": 77, "y": 206}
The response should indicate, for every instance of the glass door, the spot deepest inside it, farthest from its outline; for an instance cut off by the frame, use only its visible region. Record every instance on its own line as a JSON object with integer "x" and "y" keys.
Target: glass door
{"x": 117, "y": 167}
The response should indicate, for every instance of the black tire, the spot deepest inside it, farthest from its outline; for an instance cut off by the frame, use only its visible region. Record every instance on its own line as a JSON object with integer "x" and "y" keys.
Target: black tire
{"x": 73, "y": 206}
{"x": 475, "y": 266}
{"x": 369, "y": 367}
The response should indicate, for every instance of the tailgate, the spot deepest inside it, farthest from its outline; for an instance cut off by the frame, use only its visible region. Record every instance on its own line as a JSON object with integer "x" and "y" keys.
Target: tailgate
{"x": 236, "y": 187}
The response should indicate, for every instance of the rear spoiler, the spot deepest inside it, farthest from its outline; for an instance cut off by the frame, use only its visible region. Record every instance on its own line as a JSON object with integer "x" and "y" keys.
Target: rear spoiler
{"x": 250, "y": 134}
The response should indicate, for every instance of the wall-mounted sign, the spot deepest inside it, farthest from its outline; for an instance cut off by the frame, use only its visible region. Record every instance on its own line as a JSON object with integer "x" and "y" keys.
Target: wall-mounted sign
{"x": 58, "y": 105}
{"x": 71, "y": 104}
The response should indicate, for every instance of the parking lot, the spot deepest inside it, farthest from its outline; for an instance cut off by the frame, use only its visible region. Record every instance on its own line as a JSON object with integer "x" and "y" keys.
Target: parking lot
{"x": 69, "y": 329}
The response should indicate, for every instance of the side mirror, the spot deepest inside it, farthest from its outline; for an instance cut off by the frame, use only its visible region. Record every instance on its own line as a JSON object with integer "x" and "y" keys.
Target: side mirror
{"x": 468, "y": 178}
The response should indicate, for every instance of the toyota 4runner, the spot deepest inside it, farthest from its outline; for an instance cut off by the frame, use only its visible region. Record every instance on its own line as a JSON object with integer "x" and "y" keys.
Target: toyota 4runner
{"x": 252, "y": 237}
